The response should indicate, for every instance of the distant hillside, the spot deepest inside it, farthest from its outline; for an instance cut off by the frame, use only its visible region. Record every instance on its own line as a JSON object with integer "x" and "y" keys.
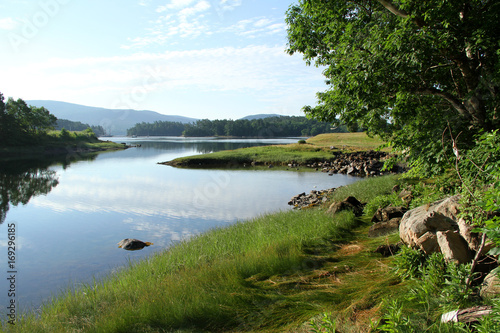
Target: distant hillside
{"x": 260, "y": 116}
{"x": 114, "y": 121}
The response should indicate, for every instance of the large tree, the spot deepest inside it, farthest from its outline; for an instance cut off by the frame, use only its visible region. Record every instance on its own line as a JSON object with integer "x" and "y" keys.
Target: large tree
{"x": 405, "y": 69}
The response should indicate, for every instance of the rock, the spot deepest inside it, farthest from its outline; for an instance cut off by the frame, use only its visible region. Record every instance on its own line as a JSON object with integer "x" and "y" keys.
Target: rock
{"x": 466, "y": 232}
{"x": 384, "y": 228}
{"x": 453, "y": 246}
{"x": 491, "y": 286}
{"x": 434, "y": 228}
{"x": 418, "y": 221}
{"x": 388, "y": 250}
{"x": 428, "y": 243}
{"x": 388, "y": 213}
{"x": 312, "y": 199}
{"x": 350, "y": 203}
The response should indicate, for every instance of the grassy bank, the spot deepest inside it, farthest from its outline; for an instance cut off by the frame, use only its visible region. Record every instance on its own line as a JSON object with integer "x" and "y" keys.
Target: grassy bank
{"x": 59, "y": 143}
{"x": 273, "y": 273}
{"x": 319, "y": 148}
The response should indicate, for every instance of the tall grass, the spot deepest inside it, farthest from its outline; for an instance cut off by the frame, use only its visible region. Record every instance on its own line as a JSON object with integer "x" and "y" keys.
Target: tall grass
{"x": 203, "y": 284}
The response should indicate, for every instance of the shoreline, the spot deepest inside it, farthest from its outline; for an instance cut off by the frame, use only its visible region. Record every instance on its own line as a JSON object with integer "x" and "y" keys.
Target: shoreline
{"x": 48, "y": 150}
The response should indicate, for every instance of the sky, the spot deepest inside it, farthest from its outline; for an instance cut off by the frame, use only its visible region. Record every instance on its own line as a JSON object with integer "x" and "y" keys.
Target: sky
{"x": 211, "y": 59}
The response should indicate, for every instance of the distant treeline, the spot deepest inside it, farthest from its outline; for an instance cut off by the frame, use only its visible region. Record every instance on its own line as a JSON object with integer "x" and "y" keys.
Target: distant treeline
{"x": 284, "y": 126}
{"x": 78, "y": 126}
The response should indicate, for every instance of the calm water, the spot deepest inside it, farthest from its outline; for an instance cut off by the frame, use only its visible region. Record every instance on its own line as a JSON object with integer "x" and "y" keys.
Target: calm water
{"x": 69, "y": 216}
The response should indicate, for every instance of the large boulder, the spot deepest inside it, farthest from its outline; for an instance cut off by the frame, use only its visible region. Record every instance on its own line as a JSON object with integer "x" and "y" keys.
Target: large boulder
{"x": 434, "y": 228}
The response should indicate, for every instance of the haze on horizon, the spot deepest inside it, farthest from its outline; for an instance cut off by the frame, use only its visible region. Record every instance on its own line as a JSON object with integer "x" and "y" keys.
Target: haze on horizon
{"x": 215, "y": 59}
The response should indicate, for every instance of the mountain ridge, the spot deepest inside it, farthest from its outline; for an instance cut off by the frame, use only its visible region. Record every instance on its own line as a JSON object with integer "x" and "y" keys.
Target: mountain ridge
{"x": 115, "y": 121}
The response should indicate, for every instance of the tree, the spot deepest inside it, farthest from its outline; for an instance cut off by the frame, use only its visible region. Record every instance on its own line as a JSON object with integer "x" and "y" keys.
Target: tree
{"x": 404, "y": 69}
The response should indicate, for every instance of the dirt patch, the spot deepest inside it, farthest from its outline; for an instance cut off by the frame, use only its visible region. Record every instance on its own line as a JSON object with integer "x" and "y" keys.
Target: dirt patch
{"x": 350, "y": 249}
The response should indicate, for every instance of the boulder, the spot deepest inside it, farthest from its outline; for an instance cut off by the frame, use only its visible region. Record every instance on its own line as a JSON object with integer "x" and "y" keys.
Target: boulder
{"x": 434, "y": 228}
{"x": 438, "y": 216}
{"x": 388, "y": 213}
{"x": 350, "y": 203}
{"x": 453, "y": 246}
{"x": 491, "y": 286}
{"x": 384, "y": 227}
{"x": 428, "y": 243}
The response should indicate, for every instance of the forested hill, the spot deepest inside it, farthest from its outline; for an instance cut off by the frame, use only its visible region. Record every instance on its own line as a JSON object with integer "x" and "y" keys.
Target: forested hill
{"x": 281, "y": 126}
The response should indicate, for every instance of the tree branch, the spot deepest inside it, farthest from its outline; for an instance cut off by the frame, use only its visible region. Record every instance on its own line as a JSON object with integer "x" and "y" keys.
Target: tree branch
{"x": 393, "y": 9}
{"x": 456, "y": 103}
{"x": 400, "y": 12}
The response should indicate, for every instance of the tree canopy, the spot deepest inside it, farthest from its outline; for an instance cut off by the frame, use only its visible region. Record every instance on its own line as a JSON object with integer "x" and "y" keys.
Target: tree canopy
{"x": 20, "y": 123}
{"x": 284, "y": 126}
{"x": 405, "y": 69}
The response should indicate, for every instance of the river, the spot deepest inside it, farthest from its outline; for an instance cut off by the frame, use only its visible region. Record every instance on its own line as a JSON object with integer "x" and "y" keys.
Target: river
{"x": 66, "y": 216}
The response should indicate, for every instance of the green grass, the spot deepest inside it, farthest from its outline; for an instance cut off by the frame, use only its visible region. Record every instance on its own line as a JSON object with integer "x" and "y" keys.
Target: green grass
{"x": 273, "y": 273}
{"x": 317, "y": 149}
{"x": 348, "y": 141}
{"x": 57, "y": 143}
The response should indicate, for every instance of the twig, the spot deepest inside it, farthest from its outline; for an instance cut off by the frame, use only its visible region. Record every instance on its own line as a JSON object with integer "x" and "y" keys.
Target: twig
{"x": 468, "y": 282}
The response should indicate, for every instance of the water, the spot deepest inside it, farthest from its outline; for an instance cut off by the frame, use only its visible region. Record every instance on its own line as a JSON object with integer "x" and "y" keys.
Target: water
{"x": 69, "y": 216}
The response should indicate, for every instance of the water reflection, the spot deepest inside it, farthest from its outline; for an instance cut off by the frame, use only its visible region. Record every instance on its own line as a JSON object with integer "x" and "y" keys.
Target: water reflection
{"x": 20, "y": 181}
{"x": 98, "y": 201}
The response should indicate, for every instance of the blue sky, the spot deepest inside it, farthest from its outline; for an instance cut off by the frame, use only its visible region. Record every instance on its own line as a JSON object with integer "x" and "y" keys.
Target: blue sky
{"x": 210, "y": 59}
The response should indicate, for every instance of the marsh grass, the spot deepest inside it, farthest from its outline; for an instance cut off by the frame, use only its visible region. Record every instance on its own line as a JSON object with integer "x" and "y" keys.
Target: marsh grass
{"x": 273, "y": 273}
{"x": 316, "y": 149}
{"x": 348, "y": 141}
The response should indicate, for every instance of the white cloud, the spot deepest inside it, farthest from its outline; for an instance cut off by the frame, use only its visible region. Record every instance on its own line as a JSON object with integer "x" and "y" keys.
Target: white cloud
{"x": 175, "y": 4}
{"x": 8, "y": 23}
{"x": 198, "y": 8}
{"x": 229, "y": 4}
{"x": 261, "y": 71}
{"x": 255, "y": 27}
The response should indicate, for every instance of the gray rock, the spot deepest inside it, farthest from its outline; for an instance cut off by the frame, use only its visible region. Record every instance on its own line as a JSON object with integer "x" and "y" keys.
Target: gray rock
{"x": 491, "y": 286}
{"x": 350, "y": 203}
{"x": 453, "y": 246}
{"x": 427, "y": 218}
{"x": 384, "y": 228}
{"x": 434, "y": 228}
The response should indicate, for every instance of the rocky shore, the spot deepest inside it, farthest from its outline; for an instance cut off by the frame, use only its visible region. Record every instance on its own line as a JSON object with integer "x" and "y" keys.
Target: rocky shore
{"x": 364, "y": 163}
{"x": 360, "y": 163}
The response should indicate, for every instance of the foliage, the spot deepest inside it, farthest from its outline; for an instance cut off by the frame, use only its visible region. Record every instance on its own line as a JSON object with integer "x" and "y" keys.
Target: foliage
{"x": 490, "y": 323}
{"x": 78, "y": 126}
{"x": 434, "y": 287}
{"x": 479, "y": 170}
{"x": 382, "y": 201}
{"x": 327, "y": 324}
{"x": 407, "y": 70}
{"x": 21, "y": 124}
{"x": 158, "y": 128}
{"x": 265, "y": 127}
{"x": 408, "y": 263}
